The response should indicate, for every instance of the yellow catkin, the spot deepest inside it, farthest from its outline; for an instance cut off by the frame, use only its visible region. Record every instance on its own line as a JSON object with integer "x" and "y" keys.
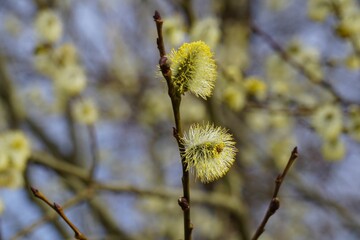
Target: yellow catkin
{"x": 193, "y": 69}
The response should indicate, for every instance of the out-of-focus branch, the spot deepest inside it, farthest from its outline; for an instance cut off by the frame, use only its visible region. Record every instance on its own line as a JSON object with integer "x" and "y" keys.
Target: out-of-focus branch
{"x": 60, "y": 211}
{"x": 7, "y": 95}
{"x": 275, "y": 202}
{"x": 187, "y": 7}
{"x": 94, "y": 151}
{"x": 308, "y": 193}
{"x": 72, "y": 133}
{"x": 214, "y": 199}
{"x": 275, "y": 46}
{"x": 219, "y": 200}
{"x": 46, "y": 159}
{"x": 44, "y": 138}
{"x": 81, "y": 196}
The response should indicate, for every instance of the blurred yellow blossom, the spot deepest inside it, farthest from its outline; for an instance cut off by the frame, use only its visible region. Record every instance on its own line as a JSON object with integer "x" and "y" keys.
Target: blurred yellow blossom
{"x": 155, "y": 107}
{"x": 277, "y": 5}
{"x": 234, "y": 96}
{"x": 309, "y": 57}
{"x": 43, "y": 60}
{"x": 255, "y": 87}
{"x": 207, "y": 30}
{"x": 12, "y": 24}
{"x": 318, "y": 10}
{"x": 327, "y": 121}
{"x": 4, "y": 159}
{"x": 16, "y": 148}
{"x": 277, "y": 69}
{"x": 85, "y": 111}
{"x": 49, "y": 25}
{"x": 280, "y": 120}
{"x": 280, "y": 149}
{"x": 192, "y": 110}
{"x": 349, "y": 25}
{"x": 70, "y": 80}
{"x": 11, "y": 178}
{"x": 174, "y": 30}
{"x": 333, "y": 149}
{"x": 65, "y": 55}
{"x": 258, "y": 120}
{"x": 352, "y": 62}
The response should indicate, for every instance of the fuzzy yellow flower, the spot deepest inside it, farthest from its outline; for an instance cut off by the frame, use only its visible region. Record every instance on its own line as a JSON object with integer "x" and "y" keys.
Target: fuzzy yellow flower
{"x": 209, "y": 151}
{"x": 193, "y": 69}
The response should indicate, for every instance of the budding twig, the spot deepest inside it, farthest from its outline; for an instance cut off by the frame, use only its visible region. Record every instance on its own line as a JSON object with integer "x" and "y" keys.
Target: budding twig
{"x": 274, "y": 204}
{"x": 59, "y": 210}
{"x": 175, "y": 97}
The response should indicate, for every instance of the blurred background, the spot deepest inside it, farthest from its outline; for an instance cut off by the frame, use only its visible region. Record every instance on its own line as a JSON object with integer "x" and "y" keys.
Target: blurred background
{"x": 85, "y": 118}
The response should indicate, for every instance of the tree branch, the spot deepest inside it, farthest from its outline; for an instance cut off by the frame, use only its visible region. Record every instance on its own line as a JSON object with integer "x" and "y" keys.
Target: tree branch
{"x": 175, "y": 97}
{"x": 274, "y": 204}
{"x": 60, "y": 211}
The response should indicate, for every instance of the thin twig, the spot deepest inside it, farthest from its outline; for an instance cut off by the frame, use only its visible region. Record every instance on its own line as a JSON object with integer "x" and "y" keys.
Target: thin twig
{"x": 79, "y": 180}
{"x": 60, "y": 211}
{"x": 175, "y": 97}
{"x": 274, "y": 204}
{"x": 80, "y": 196}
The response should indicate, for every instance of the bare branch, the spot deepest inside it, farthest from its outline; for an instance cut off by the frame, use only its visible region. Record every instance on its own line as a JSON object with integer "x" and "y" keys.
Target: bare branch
{"x": 274, "y": 204}
{"x": 60, "y": 211}
{"x": 175, "y": 97}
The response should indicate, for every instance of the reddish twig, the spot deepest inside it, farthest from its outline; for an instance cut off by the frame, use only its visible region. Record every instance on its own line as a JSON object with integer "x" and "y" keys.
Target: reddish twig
{"x": 274, "y": 204}
{"x": 59, "y": 210}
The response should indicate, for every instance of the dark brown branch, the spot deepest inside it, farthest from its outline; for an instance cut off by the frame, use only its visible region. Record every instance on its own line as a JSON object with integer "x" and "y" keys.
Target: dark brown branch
{"x": 274, "y": 204}
{"x": 159, "y": 40}
{"x": 175, "y": 97}
{"x": 78, "y": 235}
